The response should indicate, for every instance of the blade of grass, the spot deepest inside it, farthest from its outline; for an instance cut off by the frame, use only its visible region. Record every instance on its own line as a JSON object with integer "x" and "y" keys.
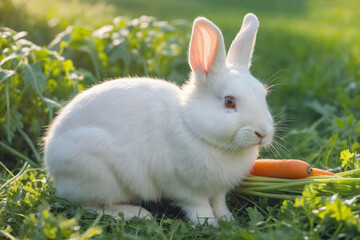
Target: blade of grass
{"x": 16, "y": 177}
{"x": 8, "y": 235}
{"x": 7, "y": 110}
{"x": 243, "y": 196}
{"x": 3, "y": 165}
{"x": 31, "y": 145}
{"x": 327, "y": 157}
{"x": 93, "y": 229}
{"x": 18, "y": 154}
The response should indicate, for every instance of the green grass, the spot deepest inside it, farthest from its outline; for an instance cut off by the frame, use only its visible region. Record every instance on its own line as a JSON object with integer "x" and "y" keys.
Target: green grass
{"x": 309, "y": 49}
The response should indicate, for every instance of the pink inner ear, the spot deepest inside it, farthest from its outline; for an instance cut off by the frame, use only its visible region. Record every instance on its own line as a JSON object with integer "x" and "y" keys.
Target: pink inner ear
{"x": 204, "y": 44}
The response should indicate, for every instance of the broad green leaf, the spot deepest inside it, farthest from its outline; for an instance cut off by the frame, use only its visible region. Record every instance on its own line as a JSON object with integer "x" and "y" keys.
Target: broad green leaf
{"x": 120, "y": 51}
{"x": 61, "y": 38}
{"x": 256, "y": 217}
{"x": 33, "y": 75}
{"x": 94, "y": 59}
{"x": 13, "y": 122}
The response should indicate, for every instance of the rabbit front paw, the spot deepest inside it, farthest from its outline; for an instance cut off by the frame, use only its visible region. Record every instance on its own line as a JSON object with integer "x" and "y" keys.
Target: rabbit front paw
{"x": 220, "y": 209}
{"x": 201, "y": 214}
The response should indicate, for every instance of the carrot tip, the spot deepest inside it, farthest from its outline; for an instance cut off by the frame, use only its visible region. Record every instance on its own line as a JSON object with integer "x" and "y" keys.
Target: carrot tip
{"x": 321, "y": 172}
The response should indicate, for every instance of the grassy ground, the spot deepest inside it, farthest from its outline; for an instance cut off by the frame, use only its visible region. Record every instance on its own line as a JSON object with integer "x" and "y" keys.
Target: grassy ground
{"x": 309, "y": 49}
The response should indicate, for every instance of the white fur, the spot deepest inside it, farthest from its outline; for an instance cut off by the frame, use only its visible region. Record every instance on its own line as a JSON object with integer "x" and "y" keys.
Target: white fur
{"x": 140, "y": 139}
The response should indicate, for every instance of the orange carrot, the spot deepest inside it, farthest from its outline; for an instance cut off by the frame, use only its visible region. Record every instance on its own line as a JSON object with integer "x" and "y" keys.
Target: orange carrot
{"x": 284, "y": 168}
{"x": 320, "y": 172}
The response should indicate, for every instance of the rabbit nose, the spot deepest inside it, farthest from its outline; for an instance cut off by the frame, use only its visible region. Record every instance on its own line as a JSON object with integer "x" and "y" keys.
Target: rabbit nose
{"x": 259, "y": 134}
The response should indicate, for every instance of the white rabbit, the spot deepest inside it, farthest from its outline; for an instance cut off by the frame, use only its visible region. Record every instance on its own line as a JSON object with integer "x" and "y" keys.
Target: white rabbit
{"x": 139, "y": 139}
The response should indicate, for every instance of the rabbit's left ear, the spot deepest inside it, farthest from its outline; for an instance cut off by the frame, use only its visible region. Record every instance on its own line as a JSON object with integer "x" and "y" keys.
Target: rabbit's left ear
{"x": 207, "y": 50}
{"x": 242, "y": 47}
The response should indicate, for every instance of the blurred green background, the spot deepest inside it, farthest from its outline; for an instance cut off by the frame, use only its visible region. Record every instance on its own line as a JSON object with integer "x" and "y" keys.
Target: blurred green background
{"x": 310, "y": 51}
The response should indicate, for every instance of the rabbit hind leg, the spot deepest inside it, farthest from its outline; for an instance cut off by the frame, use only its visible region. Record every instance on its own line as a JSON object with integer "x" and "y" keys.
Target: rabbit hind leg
{"x": 78, "y": 161}
{"x": 129, "y": 211}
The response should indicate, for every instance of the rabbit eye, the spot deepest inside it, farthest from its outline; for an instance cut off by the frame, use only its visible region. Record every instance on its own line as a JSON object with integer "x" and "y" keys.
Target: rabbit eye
{"x": 230, "y": 101}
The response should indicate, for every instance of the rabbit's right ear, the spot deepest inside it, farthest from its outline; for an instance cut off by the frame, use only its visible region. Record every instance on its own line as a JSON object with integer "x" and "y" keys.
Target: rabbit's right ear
{"x": 242, "y": 47}
{"x": 207, "y": 50}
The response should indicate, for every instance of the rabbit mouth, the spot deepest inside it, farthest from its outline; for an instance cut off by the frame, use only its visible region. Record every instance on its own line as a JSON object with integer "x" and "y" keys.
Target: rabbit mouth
{"x": 264, "y": 143}
{"x": 265, "y": 140}
{"x": 248, "y": 137}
